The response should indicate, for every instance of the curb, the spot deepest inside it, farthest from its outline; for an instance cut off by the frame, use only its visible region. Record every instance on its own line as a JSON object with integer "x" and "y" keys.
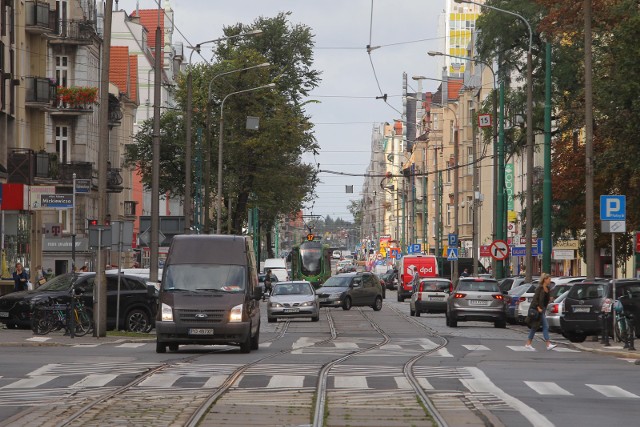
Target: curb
{"x": 626, "y": 354}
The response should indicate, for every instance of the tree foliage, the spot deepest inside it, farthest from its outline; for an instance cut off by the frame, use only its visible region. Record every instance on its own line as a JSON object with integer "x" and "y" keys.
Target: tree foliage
{"x": 261, "y": 168}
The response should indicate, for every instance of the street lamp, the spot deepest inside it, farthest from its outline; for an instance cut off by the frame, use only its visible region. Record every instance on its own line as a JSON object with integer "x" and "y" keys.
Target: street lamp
{"x": 498, "y": 163}
{"x": 207, "y": 145}
{"x": 220, "y": 142}
{"x": 529, "y": 234}
{"x": 188, "y": 202}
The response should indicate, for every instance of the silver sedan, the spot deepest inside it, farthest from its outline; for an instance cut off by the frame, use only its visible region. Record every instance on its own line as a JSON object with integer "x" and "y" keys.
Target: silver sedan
{"x": 293, "y": 299}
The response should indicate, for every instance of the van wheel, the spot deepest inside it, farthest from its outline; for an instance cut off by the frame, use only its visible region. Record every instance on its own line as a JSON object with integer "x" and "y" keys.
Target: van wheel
{"x": 346, "y": 305}
{"x": 161, "y": 347}
{"x": 173, "y": 347}
{"x": 377, "y": 304}
{"x": 245, "y": 346}
{"x": 255, "y": 341}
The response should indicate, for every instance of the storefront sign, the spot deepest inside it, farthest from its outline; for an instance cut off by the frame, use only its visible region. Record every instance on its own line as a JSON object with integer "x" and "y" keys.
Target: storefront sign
{"x": 63, "y": 244}
{"x": 564, "y": 254}
{"x": 508, "y": 184}
{"x": 567, "y": 244}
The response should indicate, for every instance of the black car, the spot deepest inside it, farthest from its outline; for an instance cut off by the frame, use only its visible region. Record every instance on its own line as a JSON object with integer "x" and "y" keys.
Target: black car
{"x": 138, "y": 301}
{"x": 582, "y": 315}
{"x": 351, "y": 289}
{"x": 390, "y": 279}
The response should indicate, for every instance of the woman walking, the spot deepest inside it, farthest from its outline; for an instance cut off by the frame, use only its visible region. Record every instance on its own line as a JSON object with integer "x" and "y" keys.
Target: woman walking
{"x": 539, "y": 304}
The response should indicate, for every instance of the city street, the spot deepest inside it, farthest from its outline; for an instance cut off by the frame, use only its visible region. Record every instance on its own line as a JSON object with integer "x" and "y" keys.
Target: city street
{"x": 364, "y": 365}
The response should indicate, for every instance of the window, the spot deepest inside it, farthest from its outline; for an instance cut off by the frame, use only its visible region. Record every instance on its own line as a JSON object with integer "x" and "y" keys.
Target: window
{"x": 469, "y": 206}
{"x": 451, "y": 132}
{"x": 63, "y": 149}
{"x": 62, "y": 70}
{"x": 470, "y": 164}
{"x": 449, "y": 210}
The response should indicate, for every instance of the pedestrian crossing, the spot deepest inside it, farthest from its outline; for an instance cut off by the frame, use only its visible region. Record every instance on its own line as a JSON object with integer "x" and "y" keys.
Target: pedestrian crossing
{"x": 57, "y": 380}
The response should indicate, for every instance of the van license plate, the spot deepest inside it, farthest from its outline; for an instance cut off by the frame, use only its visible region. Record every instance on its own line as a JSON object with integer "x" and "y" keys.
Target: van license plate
{"x": 4, "y": 314}
{"x": 200, "y": 331}
{"x": 291, "y": 310}
{"x": 581, "y": 309}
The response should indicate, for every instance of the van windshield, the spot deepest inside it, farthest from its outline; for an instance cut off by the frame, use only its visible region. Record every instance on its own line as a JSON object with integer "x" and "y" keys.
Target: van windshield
{"x": 205, "y": 277}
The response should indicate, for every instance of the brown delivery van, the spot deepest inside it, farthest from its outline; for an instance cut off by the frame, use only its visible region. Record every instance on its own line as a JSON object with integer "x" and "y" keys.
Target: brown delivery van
{"x": 209, "y": 293}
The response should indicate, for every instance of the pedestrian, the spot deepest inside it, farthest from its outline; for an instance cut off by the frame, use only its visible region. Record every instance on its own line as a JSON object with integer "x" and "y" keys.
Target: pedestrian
{"x": 20, "y": 279}
{"x": 40, "y": 279}
{"x": 267, "y": 284}
{"x": 539, "y": 304}
{"x": 465, "y": 273}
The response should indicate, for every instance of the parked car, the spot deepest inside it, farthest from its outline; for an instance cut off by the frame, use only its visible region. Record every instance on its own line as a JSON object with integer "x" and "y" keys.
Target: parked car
{"x": 293, "y": 300}
{"x": 513, "y": 282}
{"x": 138, "y": 301}
{"x": 522, "y": 309}
{"x": 584, "y": 303}
{"x": 554, "y": 312}
{"x": 390, "y": 278}
{"x": 476, "y": 299}
{"x": 430, "y": 296}
{"x": 512, "y": 300}
{"x": 345, "y": 266}
{"x": 336, "y": 255}
{"x": 351, "y": 289}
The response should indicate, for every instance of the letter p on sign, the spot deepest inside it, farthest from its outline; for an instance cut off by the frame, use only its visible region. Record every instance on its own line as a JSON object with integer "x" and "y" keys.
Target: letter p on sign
{"x": 613, "y": 208}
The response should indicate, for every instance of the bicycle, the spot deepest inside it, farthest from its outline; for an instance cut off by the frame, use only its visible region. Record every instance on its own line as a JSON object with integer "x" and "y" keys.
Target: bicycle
{"x": 51, "y": 315}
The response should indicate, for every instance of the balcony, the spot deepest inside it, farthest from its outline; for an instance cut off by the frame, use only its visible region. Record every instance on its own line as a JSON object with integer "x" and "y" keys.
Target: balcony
{"x": 25, "y": 165}
{"x": 73, "y": 33}
{"x": 114, "y": 181}
{"x": 83, "y": 170}
{"x": 39, "y": 92}
{"x": 39, "y": 18}
{"x": 73, "y": 101}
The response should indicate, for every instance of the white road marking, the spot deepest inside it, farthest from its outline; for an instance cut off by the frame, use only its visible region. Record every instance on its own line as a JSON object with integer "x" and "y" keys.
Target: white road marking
{"x": 160, "y": 380}
{"x": 304, "y": 342}
{"x": 131, "y": 345}
{"x": 265, "y": 344}
{"x": 391, "y": 347}
{"x": 31, "y": 382}
{"x": 349, "y": 345}
{"x": 94, "y": 381}
{"x": 545, "y": 388}
{"x": 44, "y": 369}
{"x": 403, "y": 383}
{"x": 85, "y": 345}
{"x": 215, "y": 381}
{"x": 286, "y": 381}
{"x": 356, "y": 381}
{"x": 565, "y": 350}
{"x": 473, "y": 347}
{"x": 482, "y": 383}
{"x": 517, "y": 348}
{"x": 443, "y": 352}
{"x": 612, "y": 391}
{"x": 38, "y": 339}
{"x": 425, "y": 384}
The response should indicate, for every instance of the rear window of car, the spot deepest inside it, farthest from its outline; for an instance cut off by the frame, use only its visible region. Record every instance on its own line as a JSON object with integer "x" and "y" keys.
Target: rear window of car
{"x": 588, "y": 291}
{"x": 479, "y": 286}
{"x": 434, "y": 286}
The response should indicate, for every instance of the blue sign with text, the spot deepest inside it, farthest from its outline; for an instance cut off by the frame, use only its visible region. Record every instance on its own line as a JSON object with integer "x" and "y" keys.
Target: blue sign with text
{"x": 522, "y": 251}
{"x": 613, "y": 208}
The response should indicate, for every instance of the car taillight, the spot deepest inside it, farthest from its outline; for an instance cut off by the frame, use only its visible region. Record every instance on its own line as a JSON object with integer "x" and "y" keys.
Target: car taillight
{"x": 459, "y": 295}
{"x": 498, "y": 297}
{"x": 450, "y": 287}
{"x": 522, "y": 299}
{"x": 554, "y": 308}
{"x": 419, "y": 298}
{"x": 421, "y": 287}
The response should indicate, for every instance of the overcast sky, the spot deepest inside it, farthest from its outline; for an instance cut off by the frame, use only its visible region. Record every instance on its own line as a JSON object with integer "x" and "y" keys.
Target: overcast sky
{"x": 344, "y": 119}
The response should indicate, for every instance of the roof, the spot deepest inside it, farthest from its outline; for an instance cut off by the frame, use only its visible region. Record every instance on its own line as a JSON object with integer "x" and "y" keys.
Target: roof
{"x": 149, "y": 19}
{"x": 453, "y": 88}
{"x": 119, "y": 68}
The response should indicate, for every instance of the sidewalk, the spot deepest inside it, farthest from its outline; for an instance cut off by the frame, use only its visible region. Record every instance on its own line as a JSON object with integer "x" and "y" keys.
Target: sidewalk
{"x": 26, "y": 338}
{"x": 615, "y": 349}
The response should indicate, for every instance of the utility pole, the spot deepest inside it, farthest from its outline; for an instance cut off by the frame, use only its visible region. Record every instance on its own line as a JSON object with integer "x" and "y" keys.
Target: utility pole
{"x": 155, "y": 171}
{"x": 588, "y": 124}
{"x": 100, "y": 303}
{"x": 456, "y": 189}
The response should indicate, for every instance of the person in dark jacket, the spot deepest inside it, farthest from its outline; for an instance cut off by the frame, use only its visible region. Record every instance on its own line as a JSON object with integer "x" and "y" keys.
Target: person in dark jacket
{"x": 20, "y": 278}
{"x": 539, "y": 303}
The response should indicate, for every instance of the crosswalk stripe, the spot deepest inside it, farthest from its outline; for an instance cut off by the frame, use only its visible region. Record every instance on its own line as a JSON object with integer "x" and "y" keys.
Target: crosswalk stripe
{"x": 265, "y": 344}
{"x": 402, "y": 383}
{"x": 425, "y": 384}
{"x": 31, "y": 382}
{"x": 546, "y": 388}
{"x": 443, "y": 352}
{"x": 160, "y": 380}
{"x": 215, "y": 381}
{"x": 391, "y": 347}
{"x": 85, "y": 345}
{"x": 94, "y": 381}
{"x": 131, "y": 345}
{"x": 517, "y": 348}
{"x": 286, "y": 381}
{"x": 565, "y": 350}
{"x": 612, "y": 391}
{"x": 38, "y": 339}
{"x": 473, "y": 347}
{"x": 356, "y": 381}
{"x": 345, "y": 345}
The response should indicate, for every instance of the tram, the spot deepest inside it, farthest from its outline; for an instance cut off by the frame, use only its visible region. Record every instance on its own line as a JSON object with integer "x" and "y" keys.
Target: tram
{"x": 311, "y": 261}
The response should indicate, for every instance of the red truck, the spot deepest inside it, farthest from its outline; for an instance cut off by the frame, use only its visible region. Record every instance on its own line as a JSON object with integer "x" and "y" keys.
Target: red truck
{"x": 424, "y": 265}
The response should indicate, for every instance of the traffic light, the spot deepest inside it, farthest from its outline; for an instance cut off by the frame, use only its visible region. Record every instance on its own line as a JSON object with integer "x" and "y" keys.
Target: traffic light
{"x": 92, "y": 222}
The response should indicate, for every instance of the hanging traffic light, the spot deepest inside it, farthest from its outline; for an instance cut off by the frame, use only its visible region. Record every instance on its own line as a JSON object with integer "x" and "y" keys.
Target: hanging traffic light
{"x": 92, "y": 222}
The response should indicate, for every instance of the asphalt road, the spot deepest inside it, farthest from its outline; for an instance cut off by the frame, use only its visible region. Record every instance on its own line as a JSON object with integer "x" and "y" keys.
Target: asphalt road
{"x": 472, "y": 375}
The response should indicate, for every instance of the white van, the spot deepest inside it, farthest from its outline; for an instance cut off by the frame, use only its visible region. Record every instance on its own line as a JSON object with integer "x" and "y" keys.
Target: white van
{"x": 278, "y": 267}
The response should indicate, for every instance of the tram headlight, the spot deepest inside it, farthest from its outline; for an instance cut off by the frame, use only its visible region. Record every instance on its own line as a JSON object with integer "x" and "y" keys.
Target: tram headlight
{"x": 236, "y": 314}
{"x": 167, "y": 313}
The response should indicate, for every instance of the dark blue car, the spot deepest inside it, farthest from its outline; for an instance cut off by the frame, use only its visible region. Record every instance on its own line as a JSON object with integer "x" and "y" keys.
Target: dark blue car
{"x": 512, "y": 300}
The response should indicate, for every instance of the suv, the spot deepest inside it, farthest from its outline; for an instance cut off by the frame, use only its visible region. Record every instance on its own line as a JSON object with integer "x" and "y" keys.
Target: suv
{"x": 478, "y": 299}
{"x": 351, "y": 289}
{"x": 583, "y": 306}
{"x": 138, "y": 301}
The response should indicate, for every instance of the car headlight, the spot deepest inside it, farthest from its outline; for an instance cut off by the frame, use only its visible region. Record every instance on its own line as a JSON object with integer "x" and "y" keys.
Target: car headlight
{"x": 307, "y": 304}
{"x": 167, "y": 313}
{"x": 275, "y": 305}
{"x": 236, "y": 313}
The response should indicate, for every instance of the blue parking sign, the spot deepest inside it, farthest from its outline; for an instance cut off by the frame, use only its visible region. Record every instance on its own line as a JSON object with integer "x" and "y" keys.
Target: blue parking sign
{"x": 613, "y": 208}
{"x": 453, "y": 239}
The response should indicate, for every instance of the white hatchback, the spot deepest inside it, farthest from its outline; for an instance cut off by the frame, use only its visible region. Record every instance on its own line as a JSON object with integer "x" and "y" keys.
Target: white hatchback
{"x": 431, "y": 296}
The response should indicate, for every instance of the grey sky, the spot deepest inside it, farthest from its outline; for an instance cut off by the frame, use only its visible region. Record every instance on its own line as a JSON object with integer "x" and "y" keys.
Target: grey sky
{"x": 405, "y": 30}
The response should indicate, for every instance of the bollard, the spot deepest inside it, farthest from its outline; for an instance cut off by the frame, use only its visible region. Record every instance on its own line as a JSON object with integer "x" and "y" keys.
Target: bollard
{"x": 605, "y": 329}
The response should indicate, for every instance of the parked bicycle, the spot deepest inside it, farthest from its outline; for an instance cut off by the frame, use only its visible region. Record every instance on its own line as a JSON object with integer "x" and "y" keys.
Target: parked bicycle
{"x": 50, "y": 314}
{"x": 624, "y": 325}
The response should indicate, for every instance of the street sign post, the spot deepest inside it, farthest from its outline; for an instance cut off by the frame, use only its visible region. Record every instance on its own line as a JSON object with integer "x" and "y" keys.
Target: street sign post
{"x": 452, "y": 254}
{"x": 453, "y": 239}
